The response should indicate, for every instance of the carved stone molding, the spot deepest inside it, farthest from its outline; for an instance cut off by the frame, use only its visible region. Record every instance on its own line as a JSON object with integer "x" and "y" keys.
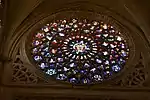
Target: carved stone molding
{"x": 22, "y": 74}
{"x": 65, "y": 98}
{"x": 135, "y": 78}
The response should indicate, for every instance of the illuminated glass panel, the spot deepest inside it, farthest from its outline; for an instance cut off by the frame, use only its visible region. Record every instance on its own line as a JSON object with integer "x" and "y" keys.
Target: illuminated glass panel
{"x": 79, "y": 51}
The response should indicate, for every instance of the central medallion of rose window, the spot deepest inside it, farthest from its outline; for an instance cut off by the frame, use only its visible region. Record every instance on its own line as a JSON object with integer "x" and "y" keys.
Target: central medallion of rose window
{"x": 80, "y": 47}
{"x": 79, "y": 51}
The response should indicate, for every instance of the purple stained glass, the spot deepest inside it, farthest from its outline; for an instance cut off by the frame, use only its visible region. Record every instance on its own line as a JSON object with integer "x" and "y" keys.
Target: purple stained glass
{"x": 79, "y": 51}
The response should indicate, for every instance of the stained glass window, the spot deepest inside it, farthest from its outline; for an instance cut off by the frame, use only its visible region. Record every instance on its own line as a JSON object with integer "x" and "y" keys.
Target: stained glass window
{"x": 79, "y": 51}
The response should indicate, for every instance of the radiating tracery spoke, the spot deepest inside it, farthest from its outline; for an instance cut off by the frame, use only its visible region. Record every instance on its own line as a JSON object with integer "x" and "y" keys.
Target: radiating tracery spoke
{"x": 79, "y": 51}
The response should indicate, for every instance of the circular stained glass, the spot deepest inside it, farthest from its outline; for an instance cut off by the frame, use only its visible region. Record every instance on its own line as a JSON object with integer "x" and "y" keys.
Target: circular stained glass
{"x": 79, "y": 51}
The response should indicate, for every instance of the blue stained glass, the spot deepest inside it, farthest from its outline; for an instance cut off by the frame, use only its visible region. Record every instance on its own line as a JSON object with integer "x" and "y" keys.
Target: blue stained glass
{"x": 79, "y": 51}
{"x": 60, "y": 59}
{"x": 35, "y": 50}
{"x": 43, "y": 65}
{"x": 37, "y": 58}
{"x": 36, "y": 42}
{"x": 52, "y": 65}
{"x": 98, "y": 61}
{"x": 47, "y": 54}
{"x": 51, "y": 71}
{"x": 61, "y": 77}
{"x": 116, "y": 68}
{"x": 73, "y": 80}
{"x": 72, "y": 65}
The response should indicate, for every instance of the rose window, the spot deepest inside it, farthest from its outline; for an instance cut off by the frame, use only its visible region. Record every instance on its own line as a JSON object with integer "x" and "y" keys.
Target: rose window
{"x": 79, "y": 51}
